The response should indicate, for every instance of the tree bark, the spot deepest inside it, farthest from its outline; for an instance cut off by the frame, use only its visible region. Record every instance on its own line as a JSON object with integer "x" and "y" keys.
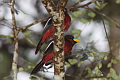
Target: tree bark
{"x": 114, "y": 37}
{"x": 57, "y": 15}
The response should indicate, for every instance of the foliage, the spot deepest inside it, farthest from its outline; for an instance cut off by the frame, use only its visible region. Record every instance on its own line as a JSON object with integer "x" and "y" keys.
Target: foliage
{"x": 118, "y": 1}
{"x": 100, "y": 6}
{"x": 76, "y": 33}
{"x": 27, "y": 33}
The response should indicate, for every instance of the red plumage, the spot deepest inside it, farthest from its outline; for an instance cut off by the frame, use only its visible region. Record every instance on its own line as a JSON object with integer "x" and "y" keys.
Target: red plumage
{"x": 49, "y": 54}
{"x": 49, "y": 30}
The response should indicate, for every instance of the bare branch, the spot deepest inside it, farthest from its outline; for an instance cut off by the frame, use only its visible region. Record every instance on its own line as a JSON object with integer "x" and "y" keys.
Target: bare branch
{"x": 81, "y": 6}
{"x": 29, "y": 25}
{"x": 86, "y": 78}
{"x": 15, "y": 57}
{"x": 61, "y": 4}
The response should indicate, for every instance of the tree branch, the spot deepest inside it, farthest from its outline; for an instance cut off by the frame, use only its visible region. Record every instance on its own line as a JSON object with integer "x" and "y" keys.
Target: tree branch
{"x": 62, "y": 4}
{"x": 86, "y": 78}
{"x": 15, "y": 57}
{"x": 50, "y": 6}
{"x": 51, "y": 3}
{"x": 81, "y": 6}
{"x": 57, "y": 15}
{"x": 29, "y": 25}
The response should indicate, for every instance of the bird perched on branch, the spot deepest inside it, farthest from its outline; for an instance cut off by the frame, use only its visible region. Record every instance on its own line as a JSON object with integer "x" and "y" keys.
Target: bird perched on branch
{"x": 49, "y": 53}
{"x": 49, "y": 30}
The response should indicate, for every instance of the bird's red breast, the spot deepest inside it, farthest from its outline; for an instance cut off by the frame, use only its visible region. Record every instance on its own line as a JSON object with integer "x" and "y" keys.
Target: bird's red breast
{"x": 49, "y": 56}
{"x": 49, "y": 33}
{"x": 49, "y": 30}
{"x": 49, "y": 52}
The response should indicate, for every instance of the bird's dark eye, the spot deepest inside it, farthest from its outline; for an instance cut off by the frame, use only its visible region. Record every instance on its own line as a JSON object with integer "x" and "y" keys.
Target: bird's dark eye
{"x": 65, "y": 10}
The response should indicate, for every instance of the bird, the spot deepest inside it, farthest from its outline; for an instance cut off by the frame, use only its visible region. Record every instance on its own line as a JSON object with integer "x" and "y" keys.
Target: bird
{"x": 48, "y": 31}
{"x": 49, "y": 53}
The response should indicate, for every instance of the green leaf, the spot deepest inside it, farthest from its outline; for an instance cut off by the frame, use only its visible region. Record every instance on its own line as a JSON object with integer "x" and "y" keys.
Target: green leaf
{"x": 79, "y": 63}
{"x": 77, "y": 55}
{"x": 3, "y": 36}
{"x": 96, "y": 68}
{"x": 76, "y": 35}
{"x": 113, "y": 73}
{"x": 91, "y": 14}
{"x": 9, "y": 40}
{"x": 67, "y": 64}
{"x": 118, "y": 77}
{"x": 72, "y": 61}
{"x": 105, "y": 53}
{"x": 118, "y": 1}
{"x": 21, "y": 69}
{"x": 108, "y": 75}
{"x": 34, "y": 78}
{"x": 29, "y": 67}
{"x": 77, "y": 13}
{"x": 109, "y": 65}
{"x": 27, "y": 32}
{"x": 99, "y": 7}
{"x": 83, "y": 20}
{"x": 105, "y": 58}
{"x": 114, "y": 61}
{"x": 76, "y": 31}
{"x": 99, "y": 65}
{"x": 103, "y": 5}
{"x": 30, "y": 41}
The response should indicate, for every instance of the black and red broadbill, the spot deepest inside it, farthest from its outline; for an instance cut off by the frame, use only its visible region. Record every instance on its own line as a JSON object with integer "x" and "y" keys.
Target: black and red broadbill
{"x": 49, "y": 30}
{"x": 49, "y": 53}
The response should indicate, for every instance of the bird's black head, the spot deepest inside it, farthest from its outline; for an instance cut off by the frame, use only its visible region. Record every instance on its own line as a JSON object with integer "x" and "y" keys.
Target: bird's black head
{"x": 71, "y": 39}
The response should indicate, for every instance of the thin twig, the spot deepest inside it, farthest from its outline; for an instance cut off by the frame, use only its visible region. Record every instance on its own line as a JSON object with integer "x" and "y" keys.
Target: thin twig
{"x": 29, "y": 25}
{"x": 15, "y": 56}
{"x": 25, "y": 61}
{"x": 6, "y": 77}
{"x": 105, "y": 29}
{"x": 44, "y": 19}
{"x": 97, "y": 12}
{"x": 81, "y": 6}
{"x": 102, "y": 15}
{"x": 86, "y": 78}
{"x": 77, "y": 3}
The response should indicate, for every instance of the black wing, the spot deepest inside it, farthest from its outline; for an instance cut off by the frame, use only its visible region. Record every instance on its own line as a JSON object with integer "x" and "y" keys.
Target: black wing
{"x": 37, "y": 68}
{"x": 49, "y": 48}
{"x": 48, "y": 25}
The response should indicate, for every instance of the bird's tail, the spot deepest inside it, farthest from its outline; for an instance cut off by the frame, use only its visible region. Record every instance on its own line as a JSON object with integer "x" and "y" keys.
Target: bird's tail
{"x": 37, "y": 68}
{"x": 39, "y": 46}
